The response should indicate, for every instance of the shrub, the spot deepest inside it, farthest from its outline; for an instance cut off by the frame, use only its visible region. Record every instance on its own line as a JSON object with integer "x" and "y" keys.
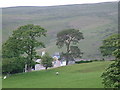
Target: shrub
{"x": 78, "y": 62}
{"x": 12, "y": 65}
{"x": 95, "y": 60}
{"x": 47, "y": 61}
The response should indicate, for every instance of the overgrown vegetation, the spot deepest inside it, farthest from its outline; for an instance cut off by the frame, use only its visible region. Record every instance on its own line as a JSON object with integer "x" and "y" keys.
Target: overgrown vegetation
{"x": 13, "y": 65}
{"x": 111, "y": 46}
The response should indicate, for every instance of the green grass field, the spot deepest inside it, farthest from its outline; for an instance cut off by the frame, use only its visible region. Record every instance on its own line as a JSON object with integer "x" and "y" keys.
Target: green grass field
{"x": 73, "y": 76}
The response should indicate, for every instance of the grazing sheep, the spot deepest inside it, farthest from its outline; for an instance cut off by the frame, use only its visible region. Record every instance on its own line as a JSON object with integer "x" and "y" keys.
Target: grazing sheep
{"x": 4, "y": 77}
{"x": 57, "y": 73}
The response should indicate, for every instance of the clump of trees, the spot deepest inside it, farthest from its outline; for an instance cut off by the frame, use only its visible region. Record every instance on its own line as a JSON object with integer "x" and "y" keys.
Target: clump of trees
{"x": 20, "y": 49}
{"x": 46, "y": 61}
{"x": 13, "y": 65}
{"x": 70, "y": 38}
{"x": 111, "y": 46}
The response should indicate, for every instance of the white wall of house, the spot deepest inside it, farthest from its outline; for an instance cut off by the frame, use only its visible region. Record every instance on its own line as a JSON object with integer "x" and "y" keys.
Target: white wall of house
{"x": 39, "y": 66}
{"x": 71, "y": 62}
{"x": 56, "y": 63}
{"x": 63, "y": 63}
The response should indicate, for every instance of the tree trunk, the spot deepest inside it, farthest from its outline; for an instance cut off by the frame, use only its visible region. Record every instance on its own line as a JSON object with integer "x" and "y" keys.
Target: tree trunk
{"x": 46, "y": 68}
{"x": 68, "y": 50}
{"x": 29, "y": 69}
{"x": 67, "y": 62}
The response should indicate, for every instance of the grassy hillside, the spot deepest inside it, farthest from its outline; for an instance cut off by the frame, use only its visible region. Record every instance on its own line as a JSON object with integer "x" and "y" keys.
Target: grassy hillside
{"x": 72, "y": 76}
{"x": 96, "y": 21}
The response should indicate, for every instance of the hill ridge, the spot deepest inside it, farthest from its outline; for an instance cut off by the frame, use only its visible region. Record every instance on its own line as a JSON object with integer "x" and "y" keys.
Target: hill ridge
{"x": 96, "y": 21}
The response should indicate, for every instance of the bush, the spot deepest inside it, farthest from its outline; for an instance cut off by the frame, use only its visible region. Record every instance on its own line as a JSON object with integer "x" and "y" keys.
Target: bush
{"x": 13, "y": 65}
{"x": 95, "y": 60}
{"x": 78, "y": 62}
{"x": 98, "y": 60}
{"x": 111, "y": 76}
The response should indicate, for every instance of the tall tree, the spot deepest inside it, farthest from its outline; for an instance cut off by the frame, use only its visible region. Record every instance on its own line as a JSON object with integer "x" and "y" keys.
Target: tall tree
{"x": 69, "y": 38}
{"x": 107, "y": 48}
{"x": 47, "y": 61}
{"x": 111, "y": 46}
{"x": 23, "y": 42}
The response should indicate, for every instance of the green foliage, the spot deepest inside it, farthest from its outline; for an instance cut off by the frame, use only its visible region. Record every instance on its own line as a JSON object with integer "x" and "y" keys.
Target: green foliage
{"x": 111, "y": 77}
{"x": 68, "y": 37}
{"x": 47, "y": 61}
{"x": 78, "y": 62}
{"x": 75, "y": 52}
{"x": 11, "y": 48}
{"x": 13, "y": 65}
{"x": 23, "y": 42}
{"x": 111, "y": 46}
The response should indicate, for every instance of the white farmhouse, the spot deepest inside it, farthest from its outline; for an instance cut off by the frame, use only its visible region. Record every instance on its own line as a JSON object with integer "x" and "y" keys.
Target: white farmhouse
{"x": 56, "y": 62}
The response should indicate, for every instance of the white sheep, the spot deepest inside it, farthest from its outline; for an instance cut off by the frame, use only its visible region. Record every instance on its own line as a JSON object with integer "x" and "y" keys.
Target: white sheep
{"x": 57, "y": 73}
{"x": 4, "y": 77}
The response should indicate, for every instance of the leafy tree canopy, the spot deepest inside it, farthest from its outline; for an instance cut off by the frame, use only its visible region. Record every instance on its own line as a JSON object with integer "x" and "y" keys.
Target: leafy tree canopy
{"x": 111, "y": 46}
{"x": 69, "y": 37}
{"x": 47, "y": 61}
{"x": 24, "y": 42}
